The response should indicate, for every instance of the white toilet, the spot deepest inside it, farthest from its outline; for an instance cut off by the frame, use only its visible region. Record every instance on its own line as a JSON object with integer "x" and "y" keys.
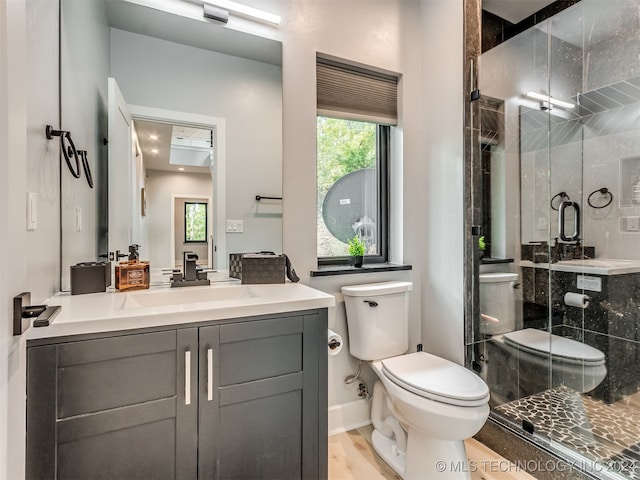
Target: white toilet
{"x": 423, "y": 406}
{"x": 573, "y": 364}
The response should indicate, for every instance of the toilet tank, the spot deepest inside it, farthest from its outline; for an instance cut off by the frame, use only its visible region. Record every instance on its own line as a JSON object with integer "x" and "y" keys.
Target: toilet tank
{"x": 497, "y": 303}
{"x": 378, "y": 319}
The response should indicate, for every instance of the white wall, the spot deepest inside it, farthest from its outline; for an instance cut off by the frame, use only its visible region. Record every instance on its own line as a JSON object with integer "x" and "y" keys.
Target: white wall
{"x": 84, "y": 58}
{"x": 395, "y": 36}
{"x": 248, "y": 94}
{"x": 13, "y": 123}
{"x": 439, "y": 178}
{"x": 29, "y": 98}
{"x": 4, "y": 234}
{"x": 43, "y": 176}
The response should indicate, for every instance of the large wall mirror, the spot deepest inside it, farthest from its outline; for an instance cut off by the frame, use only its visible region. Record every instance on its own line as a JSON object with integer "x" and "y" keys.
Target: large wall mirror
{"x": 215, "y": 88}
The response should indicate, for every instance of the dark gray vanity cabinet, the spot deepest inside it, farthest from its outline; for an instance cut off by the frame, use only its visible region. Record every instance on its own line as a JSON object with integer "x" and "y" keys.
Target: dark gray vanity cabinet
{"x": 239, "y": 399}
{"x": 112, "y": 408}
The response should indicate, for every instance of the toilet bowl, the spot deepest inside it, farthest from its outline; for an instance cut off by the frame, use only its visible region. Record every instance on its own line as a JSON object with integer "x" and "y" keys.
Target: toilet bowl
{"x": 551, "y": 361}
{"x": 527, "y": 361}
{"x": 423, "y": 406}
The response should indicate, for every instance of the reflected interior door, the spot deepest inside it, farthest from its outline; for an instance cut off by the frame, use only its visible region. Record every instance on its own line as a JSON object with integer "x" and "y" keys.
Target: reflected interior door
{"x": 121, "y": 174}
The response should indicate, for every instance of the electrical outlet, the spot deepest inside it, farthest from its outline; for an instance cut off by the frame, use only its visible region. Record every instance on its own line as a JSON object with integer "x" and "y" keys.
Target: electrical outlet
{"x": 629, "y": 225}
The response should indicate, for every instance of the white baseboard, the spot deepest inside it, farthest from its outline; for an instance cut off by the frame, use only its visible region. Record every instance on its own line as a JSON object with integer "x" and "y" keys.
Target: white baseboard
{"x": 347, "y": 416}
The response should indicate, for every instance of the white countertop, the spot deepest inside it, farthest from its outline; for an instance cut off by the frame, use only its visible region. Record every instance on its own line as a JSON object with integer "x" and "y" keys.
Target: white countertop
{"x": 163, "y": 305}
{"x": 594, "y": 266}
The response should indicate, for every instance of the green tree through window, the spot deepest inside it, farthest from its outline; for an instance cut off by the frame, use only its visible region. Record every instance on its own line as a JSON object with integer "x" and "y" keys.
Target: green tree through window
{"x": 343, "y": 146}
{"x": 195, "y": 222}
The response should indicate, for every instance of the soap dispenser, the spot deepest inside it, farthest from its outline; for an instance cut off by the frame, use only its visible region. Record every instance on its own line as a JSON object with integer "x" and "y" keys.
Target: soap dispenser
{"x": 132, "y": 274}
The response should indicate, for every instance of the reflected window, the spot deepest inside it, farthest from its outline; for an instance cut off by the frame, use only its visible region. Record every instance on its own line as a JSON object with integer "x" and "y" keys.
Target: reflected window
{"x": 195, "y": 222}
{"x": 485, "y": 161}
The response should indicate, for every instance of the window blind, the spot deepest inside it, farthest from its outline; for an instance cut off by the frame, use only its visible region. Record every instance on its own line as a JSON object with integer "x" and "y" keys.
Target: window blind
{"x": 353, "y": 92}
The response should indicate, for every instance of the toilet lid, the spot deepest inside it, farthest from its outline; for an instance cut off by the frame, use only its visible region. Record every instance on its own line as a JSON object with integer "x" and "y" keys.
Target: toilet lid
{"x": 538, "y": 341}
{"x": 436, "y": 378}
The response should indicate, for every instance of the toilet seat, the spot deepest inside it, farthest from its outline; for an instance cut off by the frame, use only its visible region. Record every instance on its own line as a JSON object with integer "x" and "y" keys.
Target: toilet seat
{"x": 560, "y": 348}
{"x": 437, "y": 379}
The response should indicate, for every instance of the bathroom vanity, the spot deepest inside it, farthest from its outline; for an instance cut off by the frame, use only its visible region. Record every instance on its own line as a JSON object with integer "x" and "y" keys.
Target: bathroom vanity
{"x": 212, "y": 390}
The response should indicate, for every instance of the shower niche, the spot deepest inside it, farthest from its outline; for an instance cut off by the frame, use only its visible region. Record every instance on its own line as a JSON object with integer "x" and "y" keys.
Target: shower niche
{"x": 629, "y": 182}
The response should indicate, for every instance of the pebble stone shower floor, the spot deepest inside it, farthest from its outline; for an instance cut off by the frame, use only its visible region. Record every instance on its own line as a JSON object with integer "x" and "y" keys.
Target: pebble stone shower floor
{"x": 608, "y": 434}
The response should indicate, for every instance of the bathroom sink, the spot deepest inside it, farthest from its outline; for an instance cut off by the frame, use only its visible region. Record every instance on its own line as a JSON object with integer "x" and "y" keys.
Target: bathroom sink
{"x": 188, "y": 295}
{"x": 598, "y": 266}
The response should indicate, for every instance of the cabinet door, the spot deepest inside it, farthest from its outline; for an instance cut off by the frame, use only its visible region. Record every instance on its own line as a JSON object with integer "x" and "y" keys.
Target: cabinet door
{"x": 265, "y": 420}
{"x": 113, "y": 408}
{"x": 208, "y": 401}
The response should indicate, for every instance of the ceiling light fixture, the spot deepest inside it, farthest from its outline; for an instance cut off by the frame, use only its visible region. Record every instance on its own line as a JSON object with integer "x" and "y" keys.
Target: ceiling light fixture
{"x": 550, "y": 100}
{"x": 218, "y": 8}
{"x": 153, "y": 137}
{"x": 215, "y": 13}
{"x": 154, "y": 150}
{"x": 181, "y": 169}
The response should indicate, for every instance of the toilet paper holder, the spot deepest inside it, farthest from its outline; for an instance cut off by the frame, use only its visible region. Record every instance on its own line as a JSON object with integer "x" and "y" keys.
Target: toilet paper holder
{"x": 334, "y": 342}
{"x": 579, "y": 300}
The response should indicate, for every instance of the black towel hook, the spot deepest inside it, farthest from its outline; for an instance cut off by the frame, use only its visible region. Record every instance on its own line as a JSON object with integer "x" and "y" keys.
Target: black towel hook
{"x": 68, "y": 150}
{"x": 86, "y": 167}
{"x": 603, "y": 191}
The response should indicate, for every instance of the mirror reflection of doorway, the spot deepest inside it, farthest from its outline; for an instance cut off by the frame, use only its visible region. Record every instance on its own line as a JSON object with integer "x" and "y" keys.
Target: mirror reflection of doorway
{"x": 191, "y": 219}
{"x": 180, "y": 159}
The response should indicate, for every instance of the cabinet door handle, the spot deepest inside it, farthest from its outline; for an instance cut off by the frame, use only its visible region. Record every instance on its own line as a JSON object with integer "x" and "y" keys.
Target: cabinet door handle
{"x": 187, "y": 377}
{"x": 209, "y": 374}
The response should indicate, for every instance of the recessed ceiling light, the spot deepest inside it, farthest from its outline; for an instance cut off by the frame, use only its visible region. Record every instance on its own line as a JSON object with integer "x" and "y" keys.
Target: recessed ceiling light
{"x": 153, "y": 137}
{"x": 154, "y": 150}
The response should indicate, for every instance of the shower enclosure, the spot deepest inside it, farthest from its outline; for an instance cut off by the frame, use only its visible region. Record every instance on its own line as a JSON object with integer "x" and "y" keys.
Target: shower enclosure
{"x": 557, "y": 194}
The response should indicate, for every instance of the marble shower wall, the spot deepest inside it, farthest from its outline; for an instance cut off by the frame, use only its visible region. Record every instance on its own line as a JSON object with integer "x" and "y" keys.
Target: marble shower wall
{"x": 588, "y": 54}
{"x": 611, "y": 322}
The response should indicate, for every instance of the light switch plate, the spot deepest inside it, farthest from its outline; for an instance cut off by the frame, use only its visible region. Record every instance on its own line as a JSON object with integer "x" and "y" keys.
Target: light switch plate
{"x": 235, "y": 226}
{"x": 32, "y": 211}
{"x": 78, "y": 219}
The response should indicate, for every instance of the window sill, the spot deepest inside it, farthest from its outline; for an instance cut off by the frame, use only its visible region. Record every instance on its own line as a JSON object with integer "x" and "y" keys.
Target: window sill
{"x": 328, "y": 270}
{"x": 490, "y": 261}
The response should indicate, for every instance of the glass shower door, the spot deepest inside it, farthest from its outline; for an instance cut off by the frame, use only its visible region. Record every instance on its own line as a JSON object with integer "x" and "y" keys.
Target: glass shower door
{"x": 561, "y": 359}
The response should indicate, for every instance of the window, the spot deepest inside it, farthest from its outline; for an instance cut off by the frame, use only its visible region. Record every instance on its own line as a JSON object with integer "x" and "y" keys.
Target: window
{"x": 352, "y": 159}
{"x": 356, "y": 106}
{"x": 195, "y": 222}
